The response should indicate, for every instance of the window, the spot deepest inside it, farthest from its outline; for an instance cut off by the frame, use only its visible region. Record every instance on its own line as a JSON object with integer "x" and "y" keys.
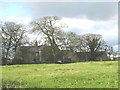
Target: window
{"x": 37, "y": 54}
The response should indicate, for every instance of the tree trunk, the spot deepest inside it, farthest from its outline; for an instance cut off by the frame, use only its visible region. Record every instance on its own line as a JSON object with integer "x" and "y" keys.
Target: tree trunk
{"x": 92, "y": 56}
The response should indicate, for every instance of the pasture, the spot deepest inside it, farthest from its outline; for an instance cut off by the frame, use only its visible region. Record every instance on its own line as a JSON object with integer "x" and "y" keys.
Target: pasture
{"x": 72, "y": 75}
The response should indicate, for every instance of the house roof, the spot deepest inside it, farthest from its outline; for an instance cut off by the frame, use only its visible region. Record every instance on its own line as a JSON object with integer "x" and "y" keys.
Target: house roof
{"x": 31, "y": 48}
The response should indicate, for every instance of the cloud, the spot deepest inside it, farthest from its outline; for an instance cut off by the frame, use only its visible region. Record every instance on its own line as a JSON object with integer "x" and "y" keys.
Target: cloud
{"x": 108, "y": 29}
{"x": 20, "y": 20}
{"x": 110, "y": 36}
{"x": 78, "y": 23}
{"x": 91, "y": 10}
{"x": 81, "y": 17}
{"x": 115, "y": 47}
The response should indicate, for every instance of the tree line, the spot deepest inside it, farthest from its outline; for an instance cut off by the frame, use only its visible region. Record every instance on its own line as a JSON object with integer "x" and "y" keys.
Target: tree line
{"x": 14, "y": 35}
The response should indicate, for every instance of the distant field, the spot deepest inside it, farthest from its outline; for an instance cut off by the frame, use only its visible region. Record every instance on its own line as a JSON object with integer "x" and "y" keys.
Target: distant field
{"x": 73, "y": 75}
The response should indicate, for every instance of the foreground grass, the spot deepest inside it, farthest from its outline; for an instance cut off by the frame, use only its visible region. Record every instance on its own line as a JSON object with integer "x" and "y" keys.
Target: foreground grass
{"x": 74, "y": 75}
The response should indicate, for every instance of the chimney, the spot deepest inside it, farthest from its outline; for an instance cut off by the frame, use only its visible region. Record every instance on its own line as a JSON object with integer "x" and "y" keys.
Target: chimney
{"x": 36, "y": 43}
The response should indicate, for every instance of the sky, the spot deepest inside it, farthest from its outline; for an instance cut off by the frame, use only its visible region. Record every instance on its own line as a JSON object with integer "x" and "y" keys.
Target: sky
{"x": 80, "y": 17}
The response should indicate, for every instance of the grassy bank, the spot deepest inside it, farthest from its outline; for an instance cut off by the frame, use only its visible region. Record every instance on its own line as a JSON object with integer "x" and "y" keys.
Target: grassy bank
{"x": 73, "y": 75}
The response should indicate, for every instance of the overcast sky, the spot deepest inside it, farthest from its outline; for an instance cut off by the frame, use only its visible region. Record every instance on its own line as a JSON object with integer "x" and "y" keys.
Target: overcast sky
{"x": 80, "y": 17}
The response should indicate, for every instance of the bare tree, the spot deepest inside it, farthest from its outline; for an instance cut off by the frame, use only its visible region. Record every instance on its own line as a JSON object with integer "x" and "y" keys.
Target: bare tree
{"x": 12, "y": 37}
{"x": 70, "y": 41}
{"x": 92, "y": 43}
{"x": 48, "y": 26}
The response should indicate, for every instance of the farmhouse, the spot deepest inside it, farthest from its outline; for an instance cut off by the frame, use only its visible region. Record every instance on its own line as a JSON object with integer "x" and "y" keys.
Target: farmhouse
{"x": 43, "y": 54}
{"x": 28, "y": 54}
{"x": 85, "y": 56}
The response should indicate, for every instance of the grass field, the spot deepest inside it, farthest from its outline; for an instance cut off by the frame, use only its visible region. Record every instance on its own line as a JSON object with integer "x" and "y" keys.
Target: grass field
{"x": 72, "y": 75}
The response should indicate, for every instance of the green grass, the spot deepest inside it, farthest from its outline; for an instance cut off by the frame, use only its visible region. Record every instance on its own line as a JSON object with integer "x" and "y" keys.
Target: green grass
{"x": 73, "y": 75}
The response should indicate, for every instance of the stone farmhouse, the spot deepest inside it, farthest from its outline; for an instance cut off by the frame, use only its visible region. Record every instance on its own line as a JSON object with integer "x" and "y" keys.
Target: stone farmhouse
{"x": 28, "y": 54}
{"x": 85, "y": 56}
{"x": 43, "y": 54}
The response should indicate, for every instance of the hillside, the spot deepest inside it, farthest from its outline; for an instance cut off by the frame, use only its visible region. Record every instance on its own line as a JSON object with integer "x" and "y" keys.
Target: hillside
{"x": 73, "y": 75}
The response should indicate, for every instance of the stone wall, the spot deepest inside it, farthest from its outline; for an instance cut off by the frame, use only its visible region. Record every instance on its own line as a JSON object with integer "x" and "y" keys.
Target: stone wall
{"x": 27, "y": 54}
